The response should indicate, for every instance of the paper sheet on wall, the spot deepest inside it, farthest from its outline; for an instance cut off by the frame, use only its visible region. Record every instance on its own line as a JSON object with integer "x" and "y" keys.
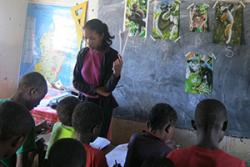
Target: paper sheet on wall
{"x": 136, "y": 17}
{"x": 199, "y": 73}
{"x": 228, "y": 23}
{"x": 166, "y": 19}
{"x": 198, "y": 18}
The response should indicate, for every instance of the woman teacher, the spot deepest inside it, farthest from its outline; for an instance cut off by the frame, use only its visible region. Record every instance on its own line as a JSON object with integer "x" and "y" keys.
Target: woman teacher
{"x": 98, "y": 69}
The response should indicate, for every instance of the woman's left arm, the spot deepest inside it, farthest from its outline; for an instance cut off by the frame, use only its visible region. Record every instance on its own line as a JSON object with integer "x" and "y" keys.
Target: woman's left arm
{"x": 114, "y": 77}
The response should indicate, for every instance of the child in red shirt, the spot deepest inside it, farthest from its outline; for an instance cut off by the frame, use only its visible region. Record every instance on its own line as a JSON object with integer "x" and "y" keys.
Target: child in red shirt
{"x": 87, "y": 120}
{"x": 210, "y": 124}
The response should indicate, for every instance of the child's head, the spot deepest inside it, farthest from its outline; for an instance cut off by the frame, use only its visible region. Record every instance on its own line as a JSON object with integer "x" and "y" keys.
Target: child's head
{"x": 15, "y": 124}
{"x": 31, "y": 89}
{"x": 158, "y": 162}
{"x": 67, "y": 153}
{"x": 161, "y": 121}
{"x": 210, "y": 119}
{"x": 87, "y": 121}
{"x": 65, "y": 109}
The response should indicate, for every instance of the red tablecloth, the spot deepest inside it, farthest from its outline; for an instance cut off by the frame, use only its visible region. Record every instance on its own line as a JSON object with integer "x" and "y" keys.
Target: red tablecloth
{"x": 44, "y": 113}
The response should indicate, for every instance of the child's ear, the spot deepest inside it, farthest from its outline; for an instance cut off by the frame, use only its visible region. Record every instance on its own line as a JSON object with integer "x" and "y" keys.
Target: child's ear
{"x": 102, "y": 36}
{"x": 96, "y": 130}
{"x": 33, "y": 92}
{"x": 148, "y": 124}
{"x": 224, "y": 127}
{"x": 167, "y": 128}
{"x": 78, "y": 136}
{"x": 17, "y": 141}
{"x": 193, "y": 124}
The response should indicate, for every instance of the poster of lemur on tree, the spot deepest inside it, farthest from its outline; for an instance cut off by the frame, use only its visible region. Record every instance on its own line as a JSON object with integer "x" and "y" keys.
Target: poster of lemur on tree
{"x": 199, "y": 73}
{"x": 166, "y": 19}
{"x": 136, "y": 15}
{"x": 198, "y": 14}
{"x": 229, "y": 23}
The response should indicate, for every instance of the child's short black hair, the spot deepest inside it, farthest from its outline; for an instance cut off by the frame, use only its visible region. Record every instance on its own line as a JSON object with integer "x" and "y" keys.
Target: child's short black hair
{"x": 210, "y": 112}
{"x": 32, "y": 80}
{"x": 87, "y": 116}
{"x": 161, "y": 114}
{"x": 65, "y": 109}
{"x": 31, "y": 89}
{"x": 15, "y": 120}
{"x": 67, "y": 153}
{"x": 158, "y": 162}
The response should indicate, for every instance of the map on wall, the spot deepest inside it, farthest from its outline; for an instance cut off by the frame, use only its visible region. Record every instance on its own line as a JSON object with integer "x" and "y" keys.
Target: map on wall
{"x": 50, "y": 43}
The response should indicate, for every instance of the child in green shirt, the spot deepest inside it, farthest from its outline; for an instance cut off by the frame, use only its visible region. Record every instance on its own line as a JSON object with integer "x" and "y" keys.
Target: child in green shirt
{"x": 63, "y": 129}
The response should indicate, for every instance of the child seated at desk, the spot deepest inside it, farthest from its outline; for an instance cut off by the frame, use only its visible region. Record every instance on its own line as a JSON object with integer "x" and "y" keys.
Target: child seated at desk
{"x": 152, "y": 143}
{"x": 87, "y": 120}
{"x": 32, "y": 88}
{"x": 63, "y": 129}
{"x": 211, "y": 124}
{"x": 67, "y": 153}
{"x": 15, "y": 125}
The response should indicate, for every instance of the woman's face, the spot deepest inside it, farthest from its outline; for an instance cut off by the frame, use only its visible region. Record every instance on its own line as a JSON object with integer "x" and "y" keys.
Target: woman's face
{"x": 92, "y": 38}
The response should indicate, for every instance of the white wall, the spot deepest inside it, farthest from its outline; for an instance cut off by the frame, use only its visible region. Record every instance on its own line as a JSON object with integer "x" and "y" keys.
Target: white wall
{"x": 12, "y": 16}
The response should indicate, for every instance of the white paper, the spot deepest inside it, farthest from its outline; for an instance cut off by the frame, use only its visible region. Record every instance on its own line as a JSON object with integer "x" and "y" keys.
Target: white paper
{"x": 118, "y": 154}
{"x": 100, "y": 143}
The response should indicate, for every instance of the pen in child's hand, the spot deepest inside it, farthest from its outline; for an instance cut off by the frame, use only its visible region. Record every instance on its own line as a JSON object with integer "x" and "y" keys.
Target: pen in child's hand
{"x": 117, "y": 164}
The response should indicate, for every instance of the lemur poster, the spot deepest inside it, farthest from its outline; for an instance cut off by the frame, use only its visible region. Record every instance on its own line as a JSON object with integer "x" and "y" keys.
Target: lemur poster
{"x": 229, "y": 23}
{"x": 136, "y": 15}
{"x": 199, "y": 18}
{"x": 166, "y": 19}
{"x": 199, "y": 73}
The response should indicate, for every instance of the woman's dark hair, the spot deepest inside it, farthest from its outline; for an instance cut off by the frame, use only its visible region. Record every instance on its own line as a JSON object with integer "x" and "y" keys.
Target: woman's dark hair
{"x": 101, "y": 29}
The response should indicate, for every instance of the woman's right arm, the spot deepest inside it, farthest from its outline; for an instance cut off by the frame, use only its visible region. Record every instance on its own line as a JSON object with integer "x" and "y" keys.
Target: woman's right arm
{"x": 78, "y": 81}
